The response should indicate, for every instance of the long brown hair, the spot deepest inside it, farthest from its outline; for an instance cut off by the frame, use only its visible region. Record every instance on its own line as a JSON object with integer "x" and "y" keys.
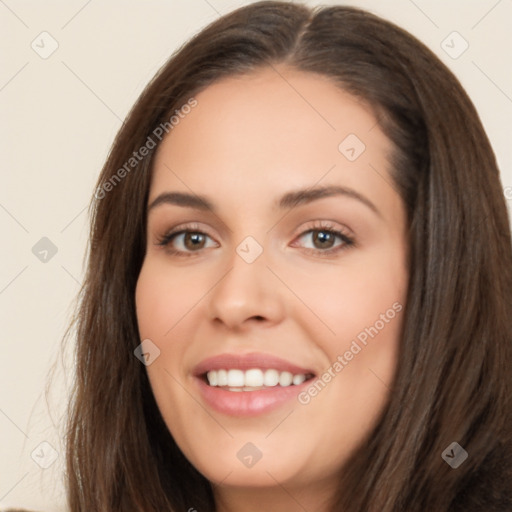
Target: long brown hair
{"x": 453, "y": 380}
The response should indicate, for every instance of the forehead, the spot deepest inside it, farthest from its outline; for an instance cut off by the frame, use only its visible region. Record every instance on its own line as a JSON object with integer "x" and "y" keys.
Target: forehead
{"x": 276, "y": 127}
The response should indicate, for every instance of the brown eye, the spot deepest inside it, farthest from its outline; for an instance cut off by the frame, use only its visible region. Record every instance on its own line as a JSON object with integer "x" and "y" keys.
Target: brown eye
{"x": 323, "y": 239}
{"x": 193, "y": 241}
{"x": 185, "y": 242}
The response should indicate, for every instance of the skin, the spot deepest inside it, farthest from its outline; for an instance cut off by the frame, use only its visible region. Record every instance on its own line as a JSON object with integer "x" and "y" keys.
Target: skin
{"x": 248, "y": 141}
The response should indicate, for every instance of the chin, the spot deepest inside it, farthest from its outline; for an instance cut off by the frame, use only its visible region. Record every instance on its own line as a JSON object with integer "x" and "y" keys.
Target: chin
{"x": 252, "y": 461}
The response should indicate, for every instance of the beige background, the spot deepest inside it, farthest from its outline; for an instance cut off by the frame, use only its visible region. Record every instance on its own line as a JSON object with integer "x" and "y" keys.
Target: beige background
{"x": 59, "y": 117}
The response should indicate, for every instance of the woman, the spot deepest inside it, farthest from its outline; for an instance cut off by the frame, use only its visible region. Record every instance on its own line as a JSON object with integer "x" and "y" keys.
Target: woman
{"x": 371, "y": 373}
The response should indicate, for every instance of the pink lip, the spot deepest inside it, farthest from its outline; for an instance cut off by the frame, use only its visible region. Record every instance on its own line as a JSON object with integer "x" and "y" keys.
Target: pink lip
{"x": 247, "y": 403}
{"x": 246, "y": 362}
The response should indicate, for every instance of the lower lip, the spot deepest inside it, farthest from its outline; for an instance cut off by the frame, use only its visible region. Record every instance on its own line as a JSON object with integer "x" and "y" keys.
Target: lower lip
{"x": 248, "y": 403}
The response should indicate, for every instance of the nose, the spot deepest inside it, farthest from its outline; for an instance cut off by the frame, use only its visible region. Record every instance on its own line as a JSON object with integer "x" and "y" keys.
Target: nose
{"x": 248, "y": 293}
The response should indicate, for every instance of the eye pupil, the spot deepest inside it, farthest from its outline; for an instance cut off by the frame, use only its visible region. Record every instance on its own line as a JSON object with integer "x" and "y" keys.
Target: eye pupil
{"x": 193, "y": 238}
{"x": 324, "y": 237}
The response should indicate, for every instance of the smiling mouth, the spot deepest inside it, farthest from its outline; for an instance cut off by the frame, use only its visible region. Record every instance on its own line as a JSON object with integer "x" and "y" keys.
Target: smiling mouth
{"x": 249, "y": 384}
{"x": 253, "y": 379}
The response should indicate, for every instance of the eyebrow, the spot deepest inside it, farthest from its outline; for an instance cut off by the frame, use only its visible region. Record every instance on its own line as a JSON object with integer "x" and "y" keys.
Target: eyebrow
{"x": 289, "y": 200}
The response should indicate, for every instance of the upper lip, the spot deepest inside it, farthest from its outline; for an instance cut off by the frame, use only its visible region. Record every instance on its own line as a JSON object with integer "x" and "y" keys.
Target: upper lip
{"x": 248, "y": 361}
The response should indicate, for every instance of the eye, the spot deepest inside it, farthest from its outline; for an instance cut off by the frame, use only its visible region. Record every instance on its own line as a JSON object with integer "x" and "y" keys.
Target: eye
{"x": 323, "y": 238}
{"x": 185, "y": 241}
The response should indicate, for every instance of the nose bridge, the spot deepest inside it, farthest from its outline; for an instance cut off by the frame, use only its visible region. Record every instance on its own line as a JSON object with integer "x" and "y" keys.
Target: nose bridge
{"x": 247, "y": 289}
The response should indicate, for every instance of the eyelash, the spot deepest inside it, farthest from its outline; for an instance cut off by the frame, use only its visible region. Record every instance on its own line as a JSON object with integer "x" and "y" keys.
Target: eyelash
{"x": 324, "y": 227}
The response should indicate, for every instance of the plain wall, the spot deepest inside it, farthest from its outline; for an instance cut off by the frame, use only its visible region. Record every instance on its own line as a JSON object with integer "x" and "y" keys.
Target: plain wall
{"x": 59, "y": 117}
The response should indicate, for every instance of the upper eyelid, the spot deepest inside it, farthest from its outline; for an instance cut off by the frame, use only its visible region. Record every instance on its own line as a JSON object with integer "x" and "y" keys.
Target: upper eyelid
{"x": 313, "y": 225}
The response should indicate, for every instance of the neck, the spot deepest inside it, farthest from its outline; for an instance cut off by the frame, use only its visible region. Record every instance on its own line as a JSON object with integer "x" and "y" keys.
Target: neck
{"x": 278, "y": 498}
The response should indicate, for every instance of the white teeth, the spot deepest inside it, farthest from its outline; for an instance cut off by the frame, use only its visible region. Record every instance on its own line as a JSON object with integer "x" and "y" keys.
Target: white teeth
{"x": 253, "y": 379}
{"x": 212, "y": 378}
{"x": 298, "y": 379}
{"x": 285, "y": 379}
{"x": 222, "y": 378}
{"x": 271, "y": 378}
{"x": 236, "y": 378}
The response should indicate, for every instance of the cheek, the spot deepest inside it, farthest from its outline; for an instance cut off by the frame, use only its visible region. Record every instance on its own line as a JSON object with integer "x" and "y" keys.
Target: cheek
{"x": 364, "y": 307}
{"x": 163, "y": 297}
{"x": 366, "y": 315}
{"x": 344, "y": 302}
{"x": 359, "y": 313}
{"x": 163, "y": 300}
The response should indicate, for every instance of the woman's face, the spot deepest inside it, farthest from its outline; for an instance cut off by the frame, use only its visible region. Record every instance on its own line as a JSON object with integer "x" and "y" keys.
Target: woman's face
{"x": 269, "y": 286}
